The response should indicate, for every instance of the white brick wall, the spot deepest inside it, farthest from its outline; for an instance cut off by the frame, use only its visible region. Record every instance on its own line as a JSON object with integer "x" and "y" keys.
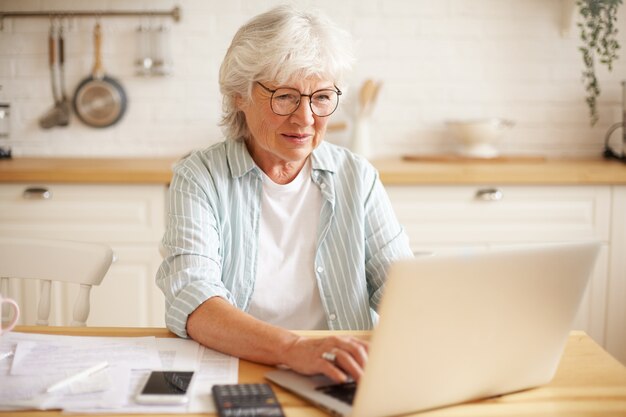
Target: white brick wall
{"x": 438, "y": 60}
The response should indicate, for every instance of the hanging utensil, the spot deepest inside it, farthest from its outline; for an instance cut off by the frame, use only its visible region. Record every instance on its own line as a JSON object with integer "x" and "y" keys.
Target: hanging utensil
{"x": 99, "y": 100}
{"x": 144, "y": 61}
{"x": 64, "y": 104}
{"x": 367, "y": 96}
{"x": 57, "y": 116}
{"x": 161, "y": 51}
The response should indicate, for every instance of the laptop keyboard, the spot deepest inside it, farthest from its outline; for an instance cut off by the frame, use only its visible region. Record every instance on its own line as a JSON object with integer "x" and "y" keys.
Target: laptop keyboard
{"x": 342, "y": 392}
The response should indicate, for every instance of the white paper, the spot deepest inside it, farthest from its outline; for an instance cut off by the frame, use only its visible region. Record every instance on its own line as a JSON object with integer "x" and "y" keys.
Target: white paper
{"x": 178, "y": 354}
{"x": 60, "y": 356}
{"x": 213, "y": 368}
{"x": 113, "y": 397}
{"x": 41, "y": 360}
{"x": 96, "y": 382}
{"x": 210, "y": 368}
{"x": 175, "y": 354}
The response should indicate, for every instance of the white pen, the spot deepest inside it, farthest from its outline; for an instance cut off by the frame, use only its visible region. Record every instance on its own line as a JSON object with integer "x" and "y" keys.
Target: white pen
{"x": 80, "y": 375}
{"x": 5, "y": 355}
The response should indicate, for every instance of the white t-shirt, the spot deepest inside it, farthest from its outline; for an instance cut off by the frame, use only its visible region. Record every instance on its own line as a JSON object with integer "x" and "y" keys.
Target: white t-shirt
{"x": 286, "y": 292}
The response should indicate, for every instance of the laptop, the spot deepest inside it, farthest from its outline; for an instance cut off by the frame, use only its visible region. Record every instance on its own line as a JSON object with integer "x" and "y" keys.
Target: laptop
{"x": 460, "y": 327}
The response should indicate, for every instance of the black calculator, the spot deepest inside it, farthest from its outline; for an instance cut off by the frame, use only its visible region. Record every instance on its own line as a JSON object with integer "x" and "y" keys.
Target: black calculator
{"x": 246, "y": 400}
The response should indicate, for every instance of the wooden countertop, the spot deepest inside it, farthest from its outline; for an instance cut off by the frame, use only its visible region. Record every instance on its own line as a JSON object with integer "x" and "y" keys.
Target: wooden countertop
{"x": 87, "y": 170}
{"x": 588, "y": 382}
{"x": 393, "y": 171}
{"x": 521, "y": 171}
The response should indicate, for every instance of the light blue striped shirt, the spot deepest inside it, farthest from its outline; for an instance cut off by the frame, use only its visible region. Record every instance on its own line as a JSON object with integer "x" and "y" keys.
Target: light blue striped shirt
{"x": 211, "y": 243}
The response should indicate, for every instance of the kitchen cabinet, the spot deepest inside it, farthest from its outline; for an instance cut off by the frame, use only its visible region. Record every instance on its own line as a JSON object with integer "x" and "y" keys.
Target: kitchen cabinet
{"x": 445, "y": 206}
{"x": 127, "y": 217}
{"x": 616, "y": 306}
{"x": 442, "y": 218}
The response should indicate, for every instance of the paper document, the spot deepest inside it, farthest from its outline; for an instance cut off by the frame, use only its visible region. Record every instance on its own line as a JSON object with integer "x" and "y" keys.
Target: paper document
{"x": 39, "y": 361}
{"x": 61, "y": 356}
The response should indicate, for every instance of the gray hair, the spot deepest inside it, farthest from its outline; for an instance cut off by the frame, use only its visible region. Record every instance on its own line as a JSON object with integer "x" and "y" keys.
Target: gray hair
{"x": 279, "y": 45}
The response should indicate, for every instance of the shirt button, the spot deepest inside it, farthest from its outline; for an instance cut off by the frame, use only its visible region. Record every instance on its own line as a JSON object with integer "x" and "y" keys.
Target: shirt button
{"x": 322, "y": 186}
{"x": 332, "y": 317}
{"x": 320, "y": 269}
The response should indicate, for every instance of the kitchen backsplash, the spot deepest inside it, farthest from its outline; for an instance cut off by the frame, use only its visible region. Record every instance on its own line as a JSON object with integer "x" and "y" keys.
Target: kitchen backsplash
{"x": 437, "y": 60}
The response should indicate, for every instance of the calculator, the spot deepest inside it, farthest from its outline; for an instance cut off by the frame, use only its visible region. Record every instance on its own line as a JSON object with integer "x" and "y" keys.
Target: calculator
{"x": 246, "y": 400}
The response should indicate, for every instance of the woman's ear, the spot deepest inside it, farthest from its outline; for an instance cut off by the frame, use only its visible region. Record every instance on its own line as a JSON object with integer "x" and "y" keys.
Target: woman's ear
{"x": 240, "y": 102}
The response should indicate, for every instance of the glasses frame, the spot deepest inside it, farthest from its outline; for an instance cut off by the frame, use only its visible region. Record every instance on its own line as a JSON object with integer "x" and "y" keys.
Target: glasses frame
{"x": 269, "y": 90}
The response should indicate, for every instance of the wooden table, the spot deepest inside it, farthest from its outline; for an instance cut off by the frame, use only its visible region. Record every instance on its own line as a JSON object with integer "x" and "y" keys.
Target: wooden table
{"x": 589, "y": 382}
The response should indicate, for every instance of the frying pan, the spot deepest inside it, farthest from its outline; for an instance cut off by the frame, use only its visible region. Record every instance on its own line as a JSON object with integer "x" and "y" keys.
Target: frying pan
{"x": 99, "y": 100}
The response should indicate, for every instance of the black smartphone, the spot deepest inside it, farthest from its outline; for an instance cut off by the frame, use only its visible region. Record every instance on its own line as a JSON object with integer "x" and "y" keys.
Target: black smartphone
{"x": 166, "y": 387}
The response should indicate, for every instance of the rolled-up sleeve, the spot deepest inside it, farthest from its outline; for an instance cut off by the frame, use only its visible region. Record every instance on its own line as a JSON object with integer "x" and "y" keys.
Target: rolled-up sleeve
{"x": 192, "y": 265}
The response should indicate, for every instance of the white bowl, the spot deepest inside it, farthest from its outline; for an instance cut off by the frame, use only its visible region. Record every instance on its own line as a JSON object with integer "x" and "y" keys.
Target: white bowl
{"x": 479, "y": 136}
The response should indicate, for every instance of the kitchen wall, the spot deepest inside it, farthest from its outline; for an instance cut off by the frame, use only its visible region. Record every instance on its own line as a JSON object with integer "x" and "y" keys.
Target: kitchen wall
{"x": 438, "y": 60}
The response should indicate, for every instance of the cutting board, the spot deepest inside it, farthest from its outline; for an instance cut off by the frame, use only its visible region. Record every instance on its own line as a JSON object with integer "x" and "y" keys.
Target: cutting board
{"x": 461, "y": 158}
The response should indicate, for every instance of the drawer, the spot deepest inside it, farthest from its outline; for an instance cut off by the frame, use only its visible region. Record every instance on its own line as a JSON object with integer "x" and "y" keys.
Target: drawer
{"x": 452, "y": 215}
{"x": 103, "y": 213}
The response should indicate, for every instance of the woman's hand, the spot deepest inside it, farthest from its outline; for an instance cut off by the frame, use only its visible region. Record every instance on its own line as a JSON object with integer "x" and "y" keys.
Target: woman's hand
{"x": 307, "y": 356}
{"x": 220, "y": 326}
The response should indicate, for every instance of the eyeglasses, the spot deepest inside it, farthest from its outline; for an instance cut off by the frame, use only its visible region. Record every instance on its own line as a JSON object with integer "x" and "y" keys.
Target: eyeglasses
{"x": 285, "y": 101}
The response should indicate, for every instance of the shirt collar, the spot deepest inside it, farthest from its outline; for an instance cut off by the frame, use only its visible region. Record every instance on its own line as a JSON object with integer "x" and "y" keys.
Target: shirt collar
{"x": 322, "y": 158}
{"x": 239, "y": 158}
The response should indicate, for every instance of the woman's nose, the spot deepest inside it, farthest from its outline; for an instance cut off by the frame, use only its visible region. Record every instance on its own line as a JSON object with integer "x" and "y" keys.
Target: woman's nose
{"x": 303, "y": 114}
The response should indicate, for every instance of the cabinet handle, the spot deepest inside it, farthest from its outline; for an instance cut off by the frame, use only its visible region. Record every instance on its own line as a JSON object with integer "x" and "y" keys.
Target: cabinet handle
{"x": 37, "y": 193}
{"x": 489, "y": 194}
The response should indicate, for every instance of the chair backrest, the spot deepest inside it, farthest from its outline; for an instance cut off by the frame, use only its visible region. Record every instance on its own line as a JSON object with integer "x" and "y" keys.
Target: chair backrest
{"x": 50, "y": 260}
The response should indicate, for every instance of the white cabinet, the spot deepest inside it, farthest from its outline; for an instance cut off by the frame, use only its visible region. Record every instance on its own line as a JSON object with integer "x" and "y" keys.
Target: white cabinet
{"x": 448, "y": 218}
{"x": 129, "y": 218}
{"x": 436, "y": 216}
{"x": 616, "y": 306}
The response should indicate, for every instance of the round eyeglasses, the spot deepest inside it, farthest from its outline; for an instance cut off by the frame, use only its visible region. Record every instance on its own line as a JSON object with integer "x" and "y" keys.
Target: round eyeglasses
{"x": 285, "y": 101}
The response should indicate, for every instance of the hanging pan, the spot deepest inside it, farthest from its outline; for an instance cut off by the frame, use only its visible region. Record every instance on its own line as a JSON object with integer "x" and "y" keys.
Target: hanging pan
{"x": 99, "y": 100}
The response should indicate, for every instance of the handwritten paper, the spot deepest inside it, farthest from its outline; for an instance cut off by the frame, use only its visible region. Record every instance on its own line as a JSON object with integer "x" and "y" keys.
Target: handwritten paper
{"x": 62, "y": 356}
{"x": 40, "y": 360}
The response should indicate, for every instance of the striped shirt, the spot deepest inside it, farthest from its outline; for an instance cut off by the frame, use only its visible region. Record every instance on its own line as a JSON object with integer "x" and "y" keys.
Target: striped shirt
{"x": 211, "y": 242}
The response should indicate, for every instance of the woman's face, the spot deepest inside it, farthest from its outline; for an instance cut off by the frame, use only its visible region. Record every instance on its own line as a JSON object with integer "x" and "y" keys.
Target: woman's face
{"x": 283, "y": 140}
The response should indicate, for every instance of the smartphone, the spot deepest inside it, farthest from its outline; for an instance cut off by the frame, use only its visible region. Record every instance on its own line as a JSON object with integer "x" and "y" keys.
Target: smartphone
{"x": 166, "y": 387}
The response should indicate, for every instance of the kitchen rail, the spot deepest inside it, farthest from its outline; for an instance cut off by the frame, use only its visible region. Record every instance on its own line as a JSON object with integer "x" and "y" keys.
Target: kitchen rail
{"x": 174, "y": 13}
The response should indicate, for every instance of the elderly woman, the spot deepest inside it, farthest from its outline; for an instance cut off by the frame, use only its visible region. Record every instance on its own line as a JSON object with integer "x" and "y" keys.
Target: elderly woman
{"x": 274, "y": 229}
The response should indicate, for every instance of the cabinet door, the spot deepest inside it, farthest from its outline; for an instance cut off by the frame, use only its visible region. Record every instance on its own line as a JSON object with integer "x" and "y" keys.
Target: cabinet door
{"x": 96, "y": 213}
{"x": 439, "y": 216}
{"x": 129, "y": 218}
{"x": 455, "y": 218}
{"x": 591, "y": 315}
{"x": 616, "y": 308}
{"x": 128, "y": 295}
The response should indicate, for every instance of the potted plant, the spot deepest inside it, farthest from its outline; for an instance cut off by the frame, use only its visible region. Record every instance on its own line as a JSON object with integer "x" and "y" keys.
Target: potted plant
{"x": 598, "y": 32}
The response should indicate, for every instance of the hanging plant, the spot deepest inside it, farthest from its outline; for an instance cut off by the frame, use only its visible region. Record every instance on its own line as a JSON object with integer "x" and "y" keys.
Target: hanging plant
{"x": 598, "y": 31}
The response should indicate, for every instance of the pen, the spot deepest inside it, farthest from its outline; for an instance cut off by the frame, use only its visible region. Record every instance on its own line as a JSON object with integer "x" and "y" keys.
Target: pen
{"x": 82, "y": 374}
{"x": 5, "y": 355}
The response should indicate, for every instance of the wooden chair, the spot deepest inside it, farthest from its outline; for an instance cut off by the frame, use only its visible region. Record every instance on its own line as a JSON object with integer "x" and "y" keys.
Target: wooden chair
{"x": 49, "y": 260}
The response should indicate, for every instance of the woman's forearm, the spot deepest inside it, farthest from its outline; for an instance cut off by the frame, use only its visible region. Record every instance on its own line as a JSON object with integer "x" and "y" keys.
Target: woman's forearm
{"x": 220, "y": 326}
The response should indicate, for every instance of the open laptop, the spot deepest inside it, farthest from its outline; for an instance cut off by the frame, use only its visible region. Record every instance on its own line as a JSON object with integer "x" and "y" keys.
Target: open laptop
{"x": 455, "y": 328}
